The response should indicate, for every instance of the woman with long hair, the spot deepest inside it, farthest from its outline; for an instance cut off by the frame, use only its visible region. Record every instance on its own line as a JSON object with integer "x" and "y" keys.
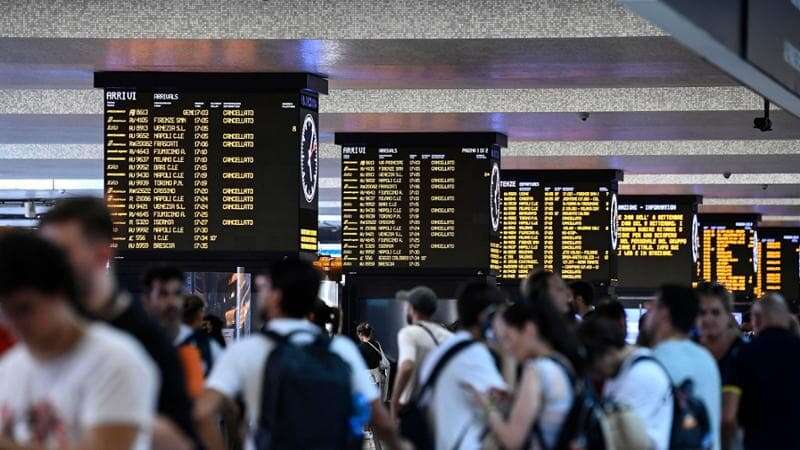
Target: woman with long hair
{"x": 536, "y": 335}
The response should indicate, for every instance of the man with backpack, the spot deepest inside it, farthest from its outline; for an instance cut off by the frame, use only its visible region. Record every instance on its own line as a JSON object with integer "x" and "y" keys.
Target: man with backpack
{"x": 671, "y": 317}
{"x": 462, "y": 360}
{"x": 415, "y": 341}
{"x": 301, "y": 389}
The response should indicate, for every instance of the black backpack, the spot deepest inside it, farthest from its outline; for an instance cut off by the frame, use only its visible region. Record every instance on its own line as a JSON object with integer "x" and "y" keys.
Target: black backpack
{"x": 414, "y": 423}
{"x": 583, "y": 424}
{"x": 306, "y": 401}
{"x": 691, "y": 427}
{"x": 582, "y": 421}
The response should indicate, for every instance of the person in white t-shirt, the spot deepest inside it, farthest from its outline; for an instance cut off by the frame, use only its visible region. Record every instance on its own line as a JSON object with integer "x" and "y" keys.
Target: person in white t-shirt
{"x": 286, "y": 297}
{"x": 456, "y": 418}
{"x": 630, "y": 375}
{"x": 415, "y": 341}
{"x": 68, "y": 384}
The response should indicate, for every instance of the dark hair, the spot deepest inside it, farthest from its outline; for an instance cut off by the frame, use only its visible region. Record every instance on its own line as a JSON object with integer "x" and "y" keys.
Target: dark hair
{"x": 600, "y": 335}
{"x": 29, "y": 262}
{"x": 423, "y": 299}
{"x": 217, "y": 325}
{"x": 644, "y": 339}
{"x": 298, "y": 281}
{"x": 681, "y": 302}
{"x": 716, "y": 290}
{"x": 192, "y": 306}
{"x": 612, "y": 310}
{"x": 551, "y": 325}
{"x": 537, "y": 280}
{"x": 473, "y": 299}
{"x": 364, "y": 329}
{"x": 321, "y": 313}
{"x": 90, "y": 213}
{"x": 161, "y": 273}
{"x": 584, "y": 290}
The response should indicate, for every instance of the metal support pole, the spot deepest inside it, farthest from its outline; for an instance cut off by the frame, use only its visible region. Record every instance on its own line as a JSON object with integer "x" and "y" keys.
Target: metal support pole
{"x": 239, "y": 295}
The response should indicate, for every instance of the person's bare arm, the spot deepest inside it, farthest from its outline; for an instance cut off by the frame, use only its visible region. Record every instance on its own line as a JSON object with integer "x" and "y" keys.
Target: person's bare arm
{"x": 167, "y": 436}
{"x": 405, "y": 371}
{"x": 730, "y": 411}
{"x": 101, "y": 437}
{"x": 206, "y": 411}
{"x": 384, "y": 427}
{"x": 513, "y": 432}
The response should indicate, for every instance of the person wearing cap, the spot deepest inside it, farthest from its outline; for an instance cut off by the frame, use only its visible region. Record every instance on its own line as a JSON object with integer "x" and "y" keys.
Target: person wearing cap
{"x": 415, "y": 341}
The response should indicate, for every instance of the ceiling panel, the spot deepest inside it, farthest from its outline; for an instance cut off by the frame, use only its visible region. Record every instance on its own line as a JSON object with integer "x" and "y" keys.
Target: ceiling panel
{"x": 342, "y": 19}
{"x": 601, "y": 126}
{"x": 643, "y": 61}
{"x": 668, "y": 125}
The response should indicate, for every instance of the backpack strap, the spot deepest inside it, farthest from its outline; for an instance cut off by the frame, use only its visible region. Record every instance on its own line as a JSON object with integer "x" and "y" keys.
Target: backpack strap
{"x": 653, "y": 359}
{"x": 441, "y": 364}
{"x": 285, "y": 339}
{"x": 430, "y": 333}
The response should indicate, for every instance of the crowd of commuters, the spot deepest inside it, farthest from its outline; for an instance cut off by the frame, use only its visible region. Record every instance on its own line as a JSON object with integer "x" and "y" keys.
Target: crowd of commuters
{"x": 86, "y": 365}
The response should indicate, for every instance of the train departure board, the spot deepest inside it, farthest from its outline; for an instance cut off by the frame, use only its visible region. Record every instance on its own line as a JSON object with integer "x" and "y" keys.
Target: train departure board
{"x": 563, "y": 221}
{"x": 658, "y": 240}
{"x": 728, "y": 252}
{"x": 779, "y": 262}
{"x": 420, "y": 201}
{"x": 202, "y": 166}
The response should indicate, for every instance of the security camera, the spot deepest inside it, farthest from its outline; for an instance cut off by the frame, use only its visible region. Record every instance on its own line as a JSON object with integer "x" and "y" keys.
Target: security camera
{"x": 726, "y": 175}
{"x": 764, "y": 187}
{"x": 584, "y": 116}
{"x": 763, "y": 123}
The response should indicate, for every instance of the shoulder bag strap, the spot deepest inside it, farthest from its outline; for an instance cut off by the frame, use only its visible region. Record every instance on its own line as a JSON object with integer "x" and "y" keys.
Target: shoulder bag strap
{"x": 440, "y": 365}
{"x": 377, "y": 349}
{"x": 430, "y": 333}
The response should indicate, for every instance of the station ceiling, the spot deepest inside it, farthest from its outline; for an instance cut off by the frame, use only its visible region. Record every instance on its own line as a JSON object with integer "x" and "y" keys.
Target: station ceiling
{"x": 670, "y": 120}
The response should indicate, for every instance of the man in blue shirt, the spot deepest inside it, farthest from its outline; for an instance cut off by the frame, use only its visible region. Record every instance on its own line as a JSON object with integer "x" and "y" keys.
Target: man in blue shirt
{"x": 670, "y": 319}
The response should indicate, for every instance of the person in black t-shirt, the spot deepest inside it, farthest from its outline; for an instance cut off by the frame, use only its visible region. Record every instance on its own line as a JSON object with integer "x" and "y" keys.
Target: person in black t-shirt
{"x": 377, "y": 362}
{"x": 765, "y": 380}
{"x": 368, "y": 346}
{"x": 719, "y": 333}
{"x": 83, "y": 228}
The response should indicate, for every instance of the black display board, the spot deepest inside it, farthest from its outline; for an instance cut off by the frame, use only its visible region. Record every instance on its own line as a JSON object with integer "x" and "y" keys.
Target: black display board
{"x": 728, "y": 252}
{"x": 658, "y": 240}
{"x": 211, "y": 167}
{"x": 420, "y": 201}
{"x": 779, "y": 262}
{"x": 563, "y": 221}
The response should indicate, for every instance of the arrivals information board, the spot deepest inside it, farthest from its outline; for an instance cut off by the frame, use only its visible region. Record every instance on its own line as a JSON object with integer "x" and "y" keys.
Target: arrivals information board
{"x": 420, "y": 201}
{"x": 199, "y": 165}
